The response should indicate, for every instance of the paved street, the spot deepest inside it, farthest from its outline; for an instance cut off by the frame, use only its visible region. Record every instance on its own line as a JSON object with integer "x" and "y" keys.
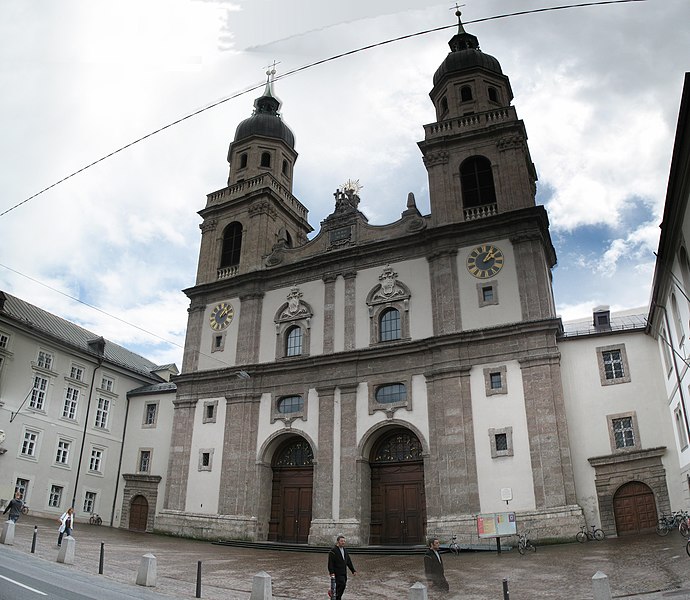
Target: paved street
{"x": 650, "y": 566}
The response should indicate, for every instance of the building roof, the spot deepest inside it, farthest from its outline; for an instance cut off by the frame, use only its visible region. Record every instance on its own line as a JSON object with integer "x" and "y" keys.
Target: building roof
{"x": 154, "y": 388}
{"x": 629, "y": 320}
{"x": 69, "y": 333}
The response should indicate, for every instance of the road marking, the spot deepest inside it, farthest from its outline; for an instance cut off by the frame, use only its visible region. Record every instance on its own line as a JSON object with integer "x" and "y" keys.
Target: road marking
{"x": 22, "y": 585}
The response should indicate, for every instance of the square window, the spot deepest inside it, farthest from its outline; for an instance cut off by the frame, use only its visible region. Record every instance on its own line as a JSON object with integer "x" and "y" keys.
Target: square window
{"x": 107, "y": 383}
{"x": 77, "y": 372}
{"x": 102, "y": 411}
{"x": 95, "y": 462}
{"x": 210, "y": 411}
{"x": 501, "y": 442}
{"x": 150, "y": 413}
{"x": 38, "y": 393}
{"x": 144, "y": 461}
{"x": 680, "y": 428}
{"x": 624, "y": 434}
{"x": 69, "y": 408}
{"x": 495, "y": 380}
{"x": 205, "y": 459}
{"x": 30, "y": 443}
{"x": 89, "y": 502}
{"x": 487, "y": 293}
{"x": 21, "y": 486}
{"x": 62, "y": 454}
{"x": 4, "y": 340}
{"x": 45, "y": 360}
{"x": 613, "y": 365}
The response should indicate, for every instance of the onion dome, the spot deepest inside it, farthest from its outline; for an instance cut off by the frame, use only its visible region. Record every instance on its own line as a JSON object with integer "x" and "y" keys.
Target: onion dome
{"x": 265, "y": 120}
{"x": 465, "y": 54}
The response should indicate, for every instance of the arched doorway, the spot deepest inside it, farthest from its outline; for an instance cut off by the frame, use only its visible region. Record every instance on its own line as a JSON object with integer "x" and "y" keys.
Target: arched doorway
{"x": 634, "y": 508}
{"x": 293, "y": 475}
{"x": 138, "y": 513}
{"x": 398, "y": 506}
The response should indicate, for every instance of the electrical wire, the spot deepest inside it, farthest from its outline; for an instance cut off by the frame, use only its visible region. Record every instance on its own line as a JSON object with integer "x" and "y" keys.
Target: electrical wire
{"x": 303, "y": 68}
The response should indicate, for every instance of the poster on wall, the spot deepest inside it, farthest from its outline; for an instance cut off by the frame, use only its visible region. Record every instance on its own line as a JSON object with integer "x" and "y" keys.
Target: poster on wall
{"x": 491, "y": 525}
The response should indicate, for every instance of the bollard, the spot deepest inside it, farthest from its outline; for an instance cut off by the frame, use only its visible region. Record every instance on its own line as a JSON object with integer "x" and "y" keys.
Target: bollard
{"x": 67, "y": 550}
{"x": 7, "y": 536}
{"x": 198, "y": 579}
{"x": 33, "y": 540}
{"x": 506, "y": 593}
{"x": 601, "y": 590}
{"x": 261, "y": 587}
{"x": 100, "y": 559}
{"x": 417, "y": 592}
{"x": 148, "y": 571}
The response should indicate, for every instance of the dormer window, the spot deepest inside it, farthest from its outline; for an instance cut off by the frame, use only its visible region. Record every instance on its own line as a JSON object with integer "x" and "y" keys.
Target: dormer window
{"x": 465, "y": 93}
{"x": 265, "y": 159}
{"x": 285, "y": 167}
{"x": 602, "y": 317}
{"x": 243, "y": 160}
{"x": 444, "y": 105}
{"x": 493, "y": 94}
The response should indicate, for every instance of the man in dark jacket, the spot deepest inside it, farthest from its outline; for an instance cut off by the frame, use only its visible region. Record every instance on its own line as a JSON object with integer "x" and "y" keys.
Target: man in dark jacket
{"x": 338, "y": 563}
{"x": 433, "y": 567}
{"x": 14, "y": 506}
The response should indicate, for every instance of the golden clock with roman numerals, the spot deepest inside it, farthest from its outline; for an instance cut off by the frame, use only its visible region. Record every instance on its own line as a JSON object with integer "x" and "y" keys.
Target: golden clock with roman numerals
{"x": 221, "y": 316}
{"x": 485, "y": 261}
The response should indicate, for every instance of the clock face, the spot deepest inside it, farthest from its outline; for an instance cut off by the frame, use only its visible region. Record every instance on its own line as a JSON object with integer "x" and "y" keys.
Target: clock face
{"x": 485, "y": 261}
{"x": 221, "y": 316}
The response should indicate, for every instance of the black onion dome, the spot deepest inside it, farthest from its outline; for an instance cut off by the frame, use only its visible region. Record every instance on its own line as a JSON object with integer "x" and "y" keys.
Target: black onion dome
{"x": 465, "y": 54}
{"x": 266, "y": 120}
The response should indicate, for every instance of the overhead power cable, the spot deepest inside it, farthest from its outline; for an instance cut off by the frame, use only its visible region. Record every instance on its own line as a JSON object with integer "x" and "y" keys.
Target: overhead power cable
{"x": 303, "y": 68}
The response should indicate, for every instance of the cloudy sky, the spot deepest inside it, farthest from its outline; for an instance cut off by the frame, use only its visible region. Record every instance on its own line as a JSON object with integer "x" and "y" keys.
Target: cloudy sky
{"x": 597, "y": 87}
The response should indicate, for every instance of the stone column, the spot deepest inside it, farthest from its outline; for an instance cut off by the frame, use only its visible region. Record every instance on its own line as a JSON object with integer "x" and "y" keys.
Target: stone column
{"x": 192, "y": 343}
{"x": 534, "y": 280}
{"x": 322, "y": 503}
{"x": 207, "y": 269}
{"x": 552, "y": 471}
{"x": 450, "y": 472}
{"x": 328, "y": 313}
{"x": 445, "y": 291}
{"x": 249, "y": 329}
{"x": 180, "y": 448}
{"x": 350, "y": 313}
{"x": 350, "y": 494}
{"x": 238, "y": 480}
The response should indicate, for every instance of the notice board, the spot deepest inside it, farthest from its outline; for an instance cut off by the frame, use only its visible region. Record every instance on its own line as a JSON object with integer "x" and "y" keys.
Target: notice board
{"x": 491, "y": 525}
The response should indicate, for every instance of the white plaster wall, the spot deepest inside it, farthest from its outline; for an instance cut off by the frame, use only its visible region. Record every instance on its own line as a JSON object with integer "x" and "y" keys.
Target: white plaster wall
{"x": 588, "y": 403}
{"x": 415, "y": 275}
{"x": 221, "y": 358}
{"x": 508, "y": 309}
{"x": 312, "y": 294}
{"x": 495, "y": 412}
{"x": 203, "y": 487}
{"x": 139, "y": 436}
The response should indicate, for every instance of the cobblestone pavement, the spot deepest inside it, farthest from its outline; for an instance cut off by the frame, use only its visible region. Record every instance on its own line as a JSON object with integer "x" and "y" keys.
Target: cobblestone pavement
{"x": 646, "y": 566}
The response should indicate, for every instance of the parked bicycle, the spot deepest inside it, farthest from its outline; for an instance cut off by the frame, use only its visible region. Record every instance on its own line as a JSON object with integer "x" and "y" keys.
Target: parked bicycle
{"x": 25, "y": 509}
{"x": 524, "y": 543}
{"x": 583, "y": 535}
{"x": 453, "y": 545}
{"x": 678, "y": 519}
{"x": 95, "y": 519}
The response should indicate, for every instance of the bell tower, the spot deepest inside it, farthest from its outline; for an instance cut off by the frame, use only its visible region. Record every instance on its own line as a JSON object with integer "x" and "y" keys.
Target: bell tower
{"x": 256, "y": 212}
{"x": 476, "y": 152}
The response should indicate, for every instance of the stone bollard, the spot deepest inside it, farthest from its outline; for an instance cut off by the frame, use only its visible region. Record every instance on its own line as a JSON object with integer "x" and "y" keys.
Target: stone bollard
{"x": 261, "y": 587}
{"x": 417, "y": 592}
{"x": 601, "y": 589}
{"x": 147, "y": 573}
{"x": 67, "y": 550}
{"x": 7, "y": 536}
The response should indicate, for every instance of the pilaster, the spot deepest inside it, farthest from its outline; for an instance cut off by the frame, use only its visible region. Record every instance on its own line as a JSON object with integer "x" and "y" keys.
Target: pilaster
{"x": 350, "y": 495}
{"x": 192, "y": 344}
{"x": 350, "y": 304}
{"x": 328, "y": 313}
{"x": 178, "y": 463}
{"x": 445, "y": 292}
{"x": 249, "y": 330}
{"x": 534, "y": 280}
{"x": 322, "y": 502}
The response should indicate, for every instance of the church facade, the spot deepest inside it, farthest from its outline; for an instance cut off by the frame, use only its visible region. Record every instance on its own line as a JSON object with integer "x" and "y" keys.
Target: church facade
{"x": 391, "y": 382}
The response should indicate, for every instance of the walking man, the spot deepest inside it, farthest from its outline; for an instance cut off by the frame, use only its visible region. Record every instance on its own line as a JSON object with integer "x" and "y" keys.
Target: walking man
{"x": 433, "y": 567}
{"x": 339, "y": 562}
{"x": 14, "y": 507}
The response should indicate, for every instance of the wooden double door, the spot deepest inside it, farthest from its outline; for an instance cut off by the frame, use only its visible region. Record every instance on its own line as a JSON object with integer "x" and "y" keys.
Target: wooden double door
{"x": 138, "y": 513}
{"x": 291, "y": 506}
{"x": 634, "y": 508}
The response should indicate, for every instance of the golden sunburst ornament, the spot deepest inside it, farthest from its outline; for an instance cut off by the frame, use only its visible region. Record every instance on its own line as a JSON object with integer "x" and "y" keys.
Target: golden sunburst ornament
{"x": 352, "y": 185}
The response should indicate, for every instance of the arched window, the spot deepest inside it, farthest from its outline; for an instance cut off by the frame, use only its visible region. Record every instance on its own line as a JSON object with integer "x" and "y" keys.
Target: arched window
{"x": 391, "y": 393}
{"x": 444, "y": 105}
{"x": 295, "y": 453}
{"x": 232, "y": 244}
{"x": 493, "y": 94}
{"x": 465, "y": 93}
{"x": 243, "y": 160}
{"x": 265, "y": 159}
{"x": 290, "y": 404}
{"x": 285, "y": 167}
{"x": 293, "y": 341}
{"x": 399, "y": 446}
{"x": 477, "y": 182}
{"x": 389, "y": 328}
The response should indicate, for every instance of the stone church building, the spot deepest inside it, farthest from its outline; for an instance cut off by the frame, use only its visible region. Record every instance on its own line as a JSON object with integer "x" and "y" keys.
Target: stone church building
{"x": 390, "y": 382}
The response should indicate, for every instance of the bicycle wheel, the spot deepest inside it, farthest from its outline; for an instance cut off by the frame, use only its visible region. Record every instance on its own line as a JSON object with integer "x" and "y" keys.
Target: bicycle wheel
{"x": 581, "y": 537}
{"x": 99, "y": 521}
{"x": 683, "y": 528}
{"x": 687, "y": 547}
{"x": 662, "y": 529}
{"x": 521, "y": 547}
{"x": 599, "y": 535}
{"x": 531, "y": 547}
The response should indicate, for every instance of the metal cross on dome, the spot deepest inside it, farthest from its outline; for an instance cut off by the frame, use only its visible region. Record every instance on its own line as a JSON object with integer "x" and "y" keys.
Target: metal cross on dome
{"x": 271, "y": 70}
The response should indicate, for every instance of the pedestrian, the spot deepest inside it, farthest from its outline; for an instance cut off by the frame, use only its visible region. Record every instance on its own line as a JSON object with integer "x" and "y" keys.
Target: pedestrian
{"x": 339, "y": 562}
{"x": 14, "y": 507}
{"x": 66, "y": 524}
{"x": 433, "y": 567}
